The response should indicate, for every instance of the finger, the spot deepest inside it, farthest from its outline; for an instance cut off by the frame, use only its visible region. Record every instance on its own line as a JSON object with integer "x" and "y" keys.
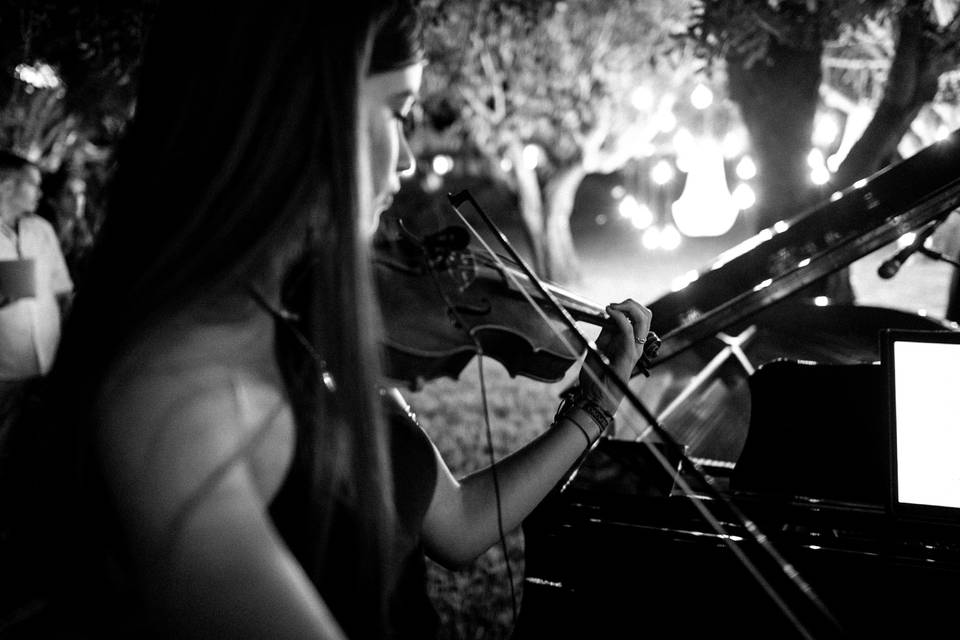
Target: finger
{"x": 653, "y": 345}
{"x": 621, "y": 320}
{"x": 637, "y": 313}
{"x": 602, "y": 342}
{"x": 639, "y": 316}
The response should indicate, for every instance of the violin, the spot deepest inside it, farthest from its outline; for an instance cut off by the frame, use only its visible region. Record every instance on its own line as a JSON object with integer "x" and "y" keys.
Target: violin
{"x": 443, "y": 303}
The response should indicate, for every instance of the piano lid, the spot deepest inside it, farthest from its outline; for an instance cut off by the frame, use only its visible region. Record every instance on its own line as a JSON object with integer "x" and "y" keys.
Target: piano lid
{"x": 791, "y": 254}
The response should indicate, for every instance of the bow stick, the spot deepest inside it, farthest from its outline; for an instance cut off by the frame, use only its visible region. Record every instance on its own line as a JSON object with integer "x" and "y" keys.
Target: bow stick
{"x": 457, "y": 200}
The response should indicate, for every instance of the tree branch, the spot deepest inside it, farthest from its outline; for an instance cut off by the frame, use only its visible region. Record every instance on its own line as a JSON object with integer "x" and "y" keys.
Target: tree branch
{"x": 918, "y": 62}
{"x": 496, "y": 85}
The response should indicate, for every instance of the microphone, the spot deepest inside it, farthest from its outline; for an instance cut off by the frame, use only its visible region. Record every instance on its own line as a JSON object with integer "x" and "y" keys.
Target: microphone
{"x": 889, "y": 267}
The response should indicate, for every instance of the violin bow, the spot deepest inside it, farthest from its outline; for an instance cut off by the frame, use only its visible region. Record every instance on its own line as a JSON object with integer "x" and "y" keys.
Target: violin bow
{"x": 456, "y": 201}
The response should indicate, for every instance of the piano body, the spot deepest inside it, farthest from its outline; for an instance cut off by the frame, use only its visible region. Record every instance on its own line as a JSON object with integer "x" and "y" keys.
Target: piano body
{"x": 783, "y": 530}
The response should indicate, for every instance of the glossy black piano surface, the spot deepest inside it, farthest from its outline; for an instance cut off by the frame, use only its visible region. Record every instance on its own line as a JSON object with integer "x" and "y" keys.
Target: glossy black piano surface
{"x": 622, "y": 551}
{"x": 626, "y": 551}
{"x": 605, "y": 566}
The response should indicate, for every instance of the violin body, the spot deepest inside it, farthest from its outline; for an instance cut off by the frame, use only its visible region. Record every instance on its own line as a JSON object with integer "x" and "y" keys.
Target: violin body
{"x": 443, "y": 304}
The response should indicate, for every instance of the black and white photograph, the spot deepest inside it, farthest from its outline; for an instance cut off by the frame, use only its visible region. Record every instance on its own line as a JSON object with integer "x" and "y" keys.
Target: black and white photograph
{"x": 479, "y": 319}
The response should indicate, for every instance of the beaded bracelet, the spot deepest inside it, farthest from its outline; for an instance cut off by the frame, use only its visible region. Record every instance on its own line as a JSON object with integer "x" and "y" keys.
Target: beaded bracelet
{"x": 574, "y": 399}
{"x": 601, "y": 417}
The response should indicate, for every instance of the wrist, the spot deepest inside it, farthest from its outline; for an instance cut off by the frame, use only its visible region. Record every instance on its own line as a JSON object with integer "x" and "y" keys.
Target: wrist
{"x": 588, "y": 399}
{"x": 588, "y": 422}
{"x": 585, "y": 413}
{"x": 582, "y": 425}
{"x": 590, "y": 392}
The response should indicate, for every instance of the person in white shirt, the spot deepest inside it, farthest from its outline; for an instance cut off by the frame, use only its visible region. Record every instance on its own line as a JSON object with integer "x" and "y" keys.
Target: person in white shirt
{"x": 29, "y": 324}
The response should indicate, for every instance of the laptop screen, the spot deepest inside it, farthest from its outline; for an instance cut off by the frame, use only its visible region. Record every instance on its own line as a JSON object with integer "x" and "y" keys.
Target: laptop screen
{"x": 923, "y": 394}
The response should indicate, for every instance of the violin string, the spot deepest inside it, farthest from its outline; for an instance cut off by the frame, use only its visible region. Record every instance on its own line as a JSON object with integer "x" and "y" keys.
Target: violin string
{"x": 787, "y": 569}
{"x": 495, "y": 477}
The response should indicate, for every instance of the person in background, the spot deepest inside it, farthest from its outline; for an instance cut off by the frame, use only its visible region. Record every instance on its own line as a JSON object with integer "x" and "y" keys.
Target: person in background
{"x": 63, "y": 205}
{"x": 215, "y": 455}
{"x": 35, "y": 284}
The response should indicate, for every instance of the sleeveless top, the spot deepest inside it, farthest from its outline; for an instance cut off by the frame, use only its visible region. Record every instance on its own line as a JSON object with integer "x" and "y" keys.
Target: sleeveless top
{"x": 410, "y": 615}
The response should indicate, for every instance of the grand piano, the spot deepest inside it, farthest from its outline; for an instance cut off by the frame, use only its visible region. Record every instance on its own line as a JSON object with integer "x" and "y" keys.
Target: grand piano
{"x": 762, "y": 510}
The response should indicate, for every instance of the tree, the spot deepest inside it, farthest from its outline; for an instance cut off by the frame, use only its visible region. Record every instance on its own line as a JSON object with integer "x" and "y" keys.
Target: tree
{"x": 541, "y": 90}
{"x": 68, "y": 75}
{"x": 782, "y": 55}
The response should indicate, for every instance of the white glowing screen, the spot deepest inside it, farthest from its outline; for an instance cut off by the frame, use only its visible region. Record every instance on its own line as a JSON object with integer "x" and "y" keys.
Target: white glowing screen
{"x": 927, "y": 412}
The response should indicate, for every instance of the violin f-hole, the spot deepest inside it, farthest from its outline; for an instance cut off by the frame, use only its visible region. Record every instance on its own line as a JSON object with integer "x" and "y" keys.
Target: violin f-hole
{"x": 483, "y": 309}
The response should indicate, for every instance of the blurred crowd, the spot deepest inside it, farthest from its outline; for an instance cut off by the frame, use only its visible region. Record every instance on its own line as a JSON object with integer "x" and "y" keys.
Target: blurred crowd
{"x": 46, "y": 235}
{"x": 63, "y": 204}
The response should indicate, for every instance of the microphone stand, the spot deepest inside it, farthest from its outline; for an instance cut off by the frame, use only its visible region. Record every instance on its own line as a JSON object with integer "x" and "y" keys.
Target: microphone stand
{"x": 891, "y": 266}
{"x": 936, "y": 255}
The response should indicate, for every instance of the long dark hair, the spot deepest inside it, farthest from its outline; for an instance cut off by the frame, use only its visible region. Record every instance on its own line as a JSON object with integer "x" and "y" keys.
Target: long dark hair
{"x": 244, "y": 143}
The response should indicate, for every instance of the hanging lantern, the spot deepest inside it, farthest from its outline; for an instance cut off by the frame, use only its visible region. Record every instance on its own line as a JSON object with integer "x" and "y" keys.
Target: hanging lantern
{"x": 706, "y": 207}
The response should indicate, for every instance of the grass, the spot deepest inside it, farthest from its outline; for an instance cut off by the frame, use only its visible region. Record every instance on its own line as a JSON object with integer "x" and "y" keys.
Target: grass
{"x": 476, "y": 602}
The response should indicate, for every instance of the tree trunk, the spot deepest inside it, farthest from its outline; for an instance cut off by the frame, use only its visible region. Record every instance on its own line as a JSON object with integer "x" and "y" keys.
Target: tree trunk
{"x": 531, "y": 207}
{"x": 561, "y": 257}
{"x": 778, "y": 100}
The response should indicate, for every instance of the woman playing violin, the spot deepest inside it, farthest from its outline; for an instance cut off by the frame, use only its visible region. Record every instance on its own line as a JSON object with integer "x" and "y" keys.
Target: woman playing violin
{"x": 218, "y": 459}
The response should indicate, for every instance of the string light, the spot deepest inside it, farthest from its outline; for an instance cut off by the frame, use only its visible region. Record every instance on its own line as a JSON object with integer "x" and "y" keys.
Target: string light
{"x": 815, "y": 158}
{"x": 670, "y": 238}
{"x": 746, "y": 169}
{"x": 432, "y": 182}
{"x": 819, "y": 174}
{"x": 701, "y": 97}
{"x": 531, "y": 156}
{"x": 744, "y": 196}
{"x": 734, "y": 142}
{"x": 662, "y": 172}
{"x": 651, "y": 238}
{"x": 665, "y": 120}
{"x": 40, "y": 75}
{"x": 642, "y": 98}
{"x": 639, "y": 215}
{"x": 442, "y": 164}
{"x": 825, "y": 130}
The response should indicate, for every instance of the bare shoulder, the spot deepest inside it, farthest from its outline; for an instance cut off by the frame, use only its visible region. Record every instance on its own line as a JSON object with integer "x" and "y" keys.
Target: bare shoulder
{"x": 179, "y": 420}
